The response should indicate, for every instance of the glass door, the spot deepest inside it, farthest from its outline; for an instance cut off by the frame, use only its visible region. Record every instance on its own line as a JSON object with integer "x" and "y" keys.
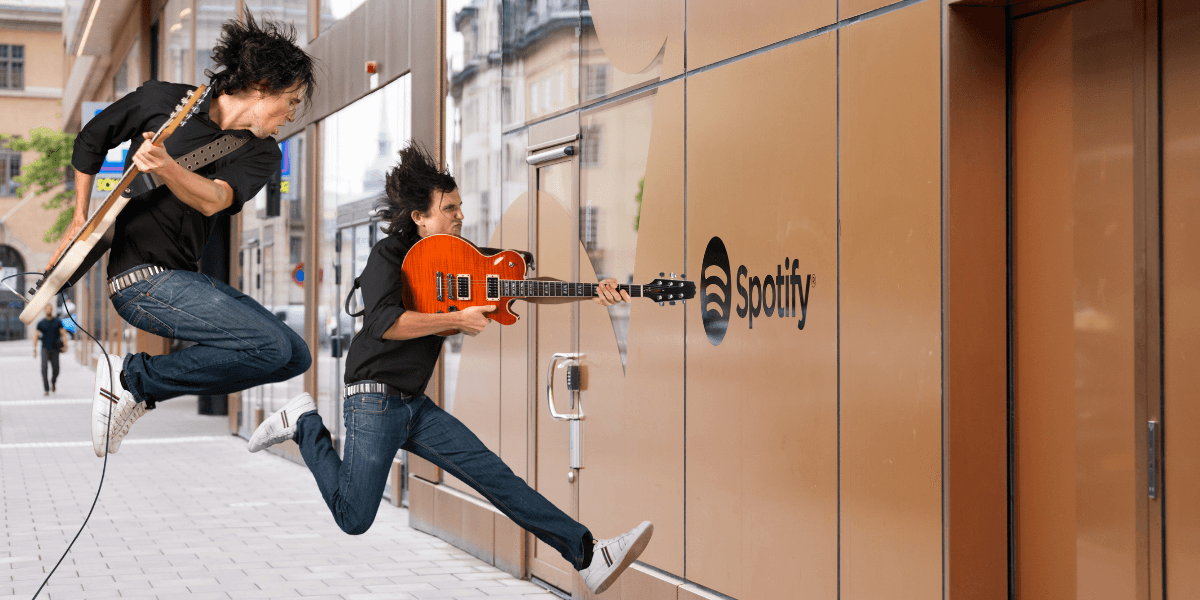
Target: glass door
{"x": 555, "y": 476}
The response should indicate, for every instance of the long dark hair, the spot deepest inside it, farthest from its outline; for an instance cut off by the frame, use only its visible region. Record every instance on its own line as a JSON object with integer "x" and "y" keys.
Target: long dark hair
{"x": 410, "y": 186}
{"x": 249, "y": 52}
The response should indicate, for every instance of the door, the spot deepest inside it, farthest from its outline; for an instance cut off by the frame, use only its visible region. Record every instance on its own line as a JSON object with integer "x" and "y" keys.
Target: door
{"x": 351, "y": 247}
{"x": 1084, "y": 311}
{"x": 555, "y": 332}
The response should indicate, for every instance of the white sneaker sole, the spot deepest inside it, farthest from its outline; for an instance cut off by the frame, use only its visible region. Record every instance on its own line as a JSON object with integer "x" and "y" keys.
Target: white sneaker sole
{"x": 635, "y": 550}
{"x": 103, "y": 393}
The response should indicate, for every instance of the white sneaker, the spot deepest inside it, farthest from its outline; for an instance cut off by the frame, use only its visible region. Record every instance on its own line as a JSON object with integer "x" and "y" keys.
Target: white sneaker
{"x": 111, "y": 395}
{"x": 611, "y": 557}
{"x": 281, "y": 425}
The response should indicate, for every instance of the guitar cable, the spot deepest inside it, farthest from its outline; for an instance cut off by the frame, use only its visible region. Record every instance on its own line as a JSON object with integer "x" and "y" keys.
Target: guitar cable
{"x": 108, "y": 426}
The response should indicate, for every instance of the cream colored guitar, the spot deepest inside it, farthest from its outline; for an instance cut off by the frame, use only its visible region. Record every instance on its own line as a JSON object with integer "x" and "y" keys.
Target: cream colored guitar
{"x": 95, "y": 237}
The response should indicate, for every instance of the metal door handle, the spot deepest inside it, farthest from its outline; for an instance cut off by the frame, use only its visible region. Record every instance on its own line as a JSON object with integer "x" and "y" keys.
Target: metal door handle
{"x": 568, "y": 356}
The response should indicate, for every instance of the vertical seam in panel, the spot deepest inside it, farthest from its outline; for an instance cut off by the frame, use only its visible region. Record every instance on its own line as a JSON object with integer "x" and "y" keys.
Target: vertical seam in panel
{"x": 685, "y": 270}
{"x": 838, "y": 204}
{"x": 943, "y": 15}
{"x": 1162, "y": 304}
{"x": 1009, "y": 285}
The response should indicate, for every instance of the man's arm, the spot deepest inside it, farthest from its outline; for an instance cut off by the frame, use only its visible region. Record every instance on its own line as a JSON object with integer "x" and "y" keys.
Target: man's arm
{"x": 205, "y": 195}
{"x": 411, "y": 324}
{"x": 83, "y": 197}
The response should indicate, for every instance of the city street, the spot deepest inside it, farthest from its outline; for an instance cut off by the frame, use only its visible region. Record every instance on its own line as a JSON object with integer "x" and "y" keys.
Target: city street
{"x": 187, "y": 513}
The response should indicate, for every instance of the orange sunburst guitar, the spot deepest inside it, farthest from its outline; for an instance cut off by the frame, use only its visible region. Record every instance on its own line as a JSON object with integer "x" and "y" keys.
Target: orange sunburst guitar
{"x": 445, "y": 273}
{"x": 93, "y": 239}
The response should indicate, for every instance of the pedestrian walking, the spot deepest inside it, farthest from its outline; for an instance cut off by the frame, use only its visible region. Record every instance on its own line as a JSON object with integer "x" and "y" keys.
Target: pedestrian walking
{"x": 53, "y": 340}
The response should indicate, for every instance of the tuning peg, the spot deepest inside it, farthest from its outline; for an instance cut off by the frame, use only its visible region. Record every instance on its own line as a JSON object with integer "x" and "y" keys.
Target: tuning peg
{"x": 661, "y": 274}
{"x": 683, "y": 275}
{"x": 662, "y": 304}
{"x": 672, "y": 276}
{"x": 672, "y": 303}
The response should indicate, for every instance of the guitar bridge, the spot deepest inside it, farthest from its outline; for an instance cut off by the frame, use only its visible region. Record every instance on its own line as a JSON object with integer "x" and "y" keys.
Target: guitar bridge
{"x": 441, "y": 290}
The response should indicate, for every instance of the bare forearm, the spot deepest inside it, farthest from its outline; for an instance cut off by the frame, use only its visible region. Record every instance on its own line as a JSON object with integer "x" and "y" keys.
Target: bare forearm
{"x": 412, "y": 324}
{"x": 205, "y": 195}
{"x": 83, "y": 195}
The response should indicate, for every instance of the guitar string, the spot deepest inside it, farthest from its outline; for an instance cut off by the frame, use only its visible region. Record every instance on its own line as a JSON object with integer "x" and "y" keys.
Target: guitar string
{"x": 107, "y": 427}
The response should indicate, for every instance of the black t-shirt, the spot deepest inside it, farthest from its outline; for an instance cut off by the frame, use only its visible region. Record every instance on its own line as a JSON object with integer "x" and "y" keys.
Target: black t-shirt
{"x": 158, "y": 228}
{"x": 405, "y": 364}
{"x": 50, "y": 329}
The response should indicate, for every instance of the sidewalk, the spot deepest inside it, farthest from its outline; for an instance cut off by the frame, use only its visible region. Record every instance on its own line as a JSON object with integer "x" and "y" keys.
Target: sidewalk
{"x": 186, "y": 513}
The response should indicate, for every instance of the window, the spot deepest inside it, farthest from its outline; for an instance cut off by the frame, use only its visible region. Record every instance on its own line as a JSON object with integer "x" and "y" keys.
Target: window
{"x": 295, "y": 248}
{"x": 592, "y": 136}
{"x": 596, "y": 82}
{"x": 12, "y": 67}
{"x": 10, "y": 167}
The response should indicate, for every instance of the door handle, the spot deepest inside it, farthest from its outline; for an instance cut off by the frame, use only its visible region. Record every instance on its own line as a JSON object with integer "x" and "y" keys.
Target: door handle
{"x": 554, "y": 363}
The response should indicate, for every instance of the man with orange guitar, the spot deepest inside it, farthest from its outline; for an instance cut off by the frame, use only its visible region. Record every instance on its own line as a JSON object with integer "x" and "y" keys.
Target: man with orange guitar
{"x": 262, "y": 76}
{"x": 387, "y": 369}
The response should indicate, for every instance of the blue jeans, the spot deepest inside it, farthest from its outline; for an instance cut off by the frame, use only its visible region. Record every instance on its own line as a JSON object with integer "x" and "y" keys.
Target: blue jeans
{"x": 378, "y": 425}
{"x": 239, "y": 344}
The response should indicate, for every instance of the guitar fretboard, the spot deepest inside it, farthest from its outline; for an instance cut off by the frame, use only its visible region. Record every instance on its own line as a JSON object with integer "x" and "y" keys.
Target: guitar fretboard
{"x": 528, "y": 288}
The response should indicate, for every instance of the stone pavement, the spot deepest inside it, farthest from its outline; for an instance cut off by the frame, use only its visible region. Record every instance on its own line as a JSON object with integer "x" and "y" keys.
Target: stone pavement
{"x": 186, "y": 513}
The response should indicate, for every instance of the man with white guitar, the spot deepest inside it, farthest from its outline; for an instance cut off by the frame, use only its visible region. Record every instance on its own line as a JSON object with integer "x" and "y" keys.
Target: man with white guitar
{"x": 387, "y": 369}
{"x": 261, "y": 78}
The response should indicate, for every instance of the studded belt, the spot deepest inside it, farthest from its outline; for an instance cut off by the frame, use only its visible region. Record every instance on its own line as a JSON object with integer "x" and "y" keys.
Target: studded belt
{"x": 374, "y": 387}
{"x": 117, "y": 284}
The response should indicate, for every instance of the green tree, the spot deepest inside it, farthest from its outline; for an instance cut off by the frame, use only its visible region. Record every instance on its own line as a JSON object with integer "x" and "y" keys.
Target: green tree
{"x": 46, "y": 172}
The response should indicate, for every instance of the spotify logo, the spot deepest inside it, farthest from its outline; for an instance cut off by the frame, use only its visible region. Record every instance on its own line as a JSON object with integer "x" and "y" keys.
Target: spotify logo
{"x": 780, "y": 295}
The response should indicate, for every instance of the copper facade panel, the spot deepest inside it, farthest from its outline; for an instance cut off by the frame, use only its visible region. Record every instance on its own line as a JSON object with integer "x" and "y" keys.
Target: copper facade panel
{"x": 420, "y": 504}
{"x": 478, "y": 529}
{"x": 1077, "y": 498}
{"x": 509, "y": 546}
{"x": 628, "y": 43}
{"x": 448, "y": 515}
{"x": 761, "y": 385}
{"x": 633, "y": 451}
{"x": 514, "y": 355}
{"x": 890, "y": 292}
{"x": 719, "y": 29}
{"x": 852, "y": 8}
{"x": 643, "y": 584}
{"x": 977, "y": 311}
{"x": 1181, "y": 292}
{"x": 554, "y": 334}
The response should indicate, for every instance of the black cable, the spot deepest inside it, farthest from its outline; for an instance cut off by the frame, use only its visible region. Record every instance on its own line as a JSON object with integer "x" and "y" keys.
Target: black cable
{"x": 108, "y": 427}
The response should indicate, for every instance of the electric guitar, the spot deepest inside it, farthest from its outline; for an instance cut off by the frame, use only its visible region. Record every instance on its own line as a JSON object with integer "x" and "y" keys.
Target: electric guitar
{"x": 95, "y": 238}
{"x": 445, "y": 273}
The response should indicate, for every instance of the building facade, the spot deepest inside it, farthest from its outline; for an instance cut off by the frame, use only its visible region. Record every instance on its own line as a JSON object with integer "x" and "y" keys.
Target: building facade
{"x": 942, "y": 252}
{"x": 30, "y": 97}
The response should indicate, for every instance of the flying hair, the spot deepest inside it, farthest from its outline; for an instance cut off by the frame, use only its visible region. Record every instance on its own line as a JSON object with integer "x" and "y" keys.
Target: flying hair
{"x": 410, "y": 186}
{"x": 251, "y": 52}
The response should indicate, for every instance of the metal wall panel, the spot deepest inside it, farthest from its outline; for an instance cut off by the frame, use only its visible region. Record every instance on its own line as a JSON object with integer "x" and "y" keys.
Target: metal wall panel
{"x": 762, "y": 390}
{"x": 1077, "y": 526}
{"x": 891, "y": 309}
{"x": 1181, "y": 293}
{"x": 718, "y": 29}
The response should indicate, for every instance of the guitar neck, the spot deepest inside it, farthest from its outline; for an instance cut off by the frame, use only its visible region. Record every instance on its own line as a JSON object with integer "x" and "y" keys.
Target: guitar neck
{"x": 531, "y": 288}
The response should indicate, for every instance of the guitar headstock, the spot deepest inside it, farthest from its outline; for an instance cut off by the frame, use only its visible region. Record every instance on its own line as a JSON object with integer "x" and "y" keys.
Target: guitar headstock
{"x": 663, "y": 290}
{"x": 188, "y": 106}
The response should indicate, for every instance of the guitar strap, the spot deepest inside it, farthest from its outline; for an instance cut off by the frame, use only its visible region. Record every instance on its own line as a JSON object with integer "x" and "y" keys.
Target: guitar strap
{"x": 193, "y": 160}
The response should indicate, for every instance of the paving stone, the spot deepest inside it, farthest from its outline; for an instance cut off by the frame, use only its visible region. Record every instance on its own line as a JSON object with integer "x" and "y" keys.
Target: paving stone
{"x": 186, "y": 513}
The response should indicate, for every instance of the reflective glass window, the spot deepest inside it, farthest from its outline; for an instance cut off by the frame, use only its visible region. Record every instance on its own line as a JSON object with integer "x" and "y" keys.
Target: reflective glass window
{"x": 541, "y": 59}
{"x": 210, "y": 15}
{"x": 333, "y": 11}
{"x": 177, "y": 21}
{"x": 273, "y": 272}
{"x": 291, "y": 12}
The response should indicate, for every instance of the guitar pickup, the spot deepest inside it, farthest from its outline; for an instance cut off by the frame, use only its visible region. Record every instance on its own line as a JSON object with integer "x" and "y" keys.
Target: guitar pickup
{"x": 464, "y": 287}
{"x": 441, "y": 288}
{"x": 493, "y": 287}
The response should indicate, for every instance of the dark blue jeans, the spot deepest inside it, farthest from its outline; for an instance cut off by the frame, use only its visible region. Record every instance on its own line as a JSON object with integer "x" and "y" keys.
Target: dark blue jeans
{"x": 239, "y": 344}
{"x": 378, "y": 425}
